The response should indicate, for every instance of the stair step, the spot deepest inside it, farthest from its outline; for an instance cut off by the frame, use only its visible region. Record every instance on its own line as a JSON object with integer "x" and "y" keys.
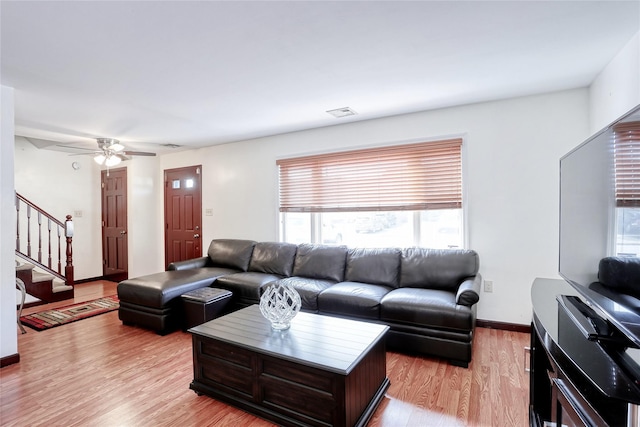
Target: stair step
{"x": 42, "y": 285}
{"x": 24, "y": 267}
{"x": 60, "y": 286}
{"x": 28, "y": 299}
{"x": 38, "y": 277}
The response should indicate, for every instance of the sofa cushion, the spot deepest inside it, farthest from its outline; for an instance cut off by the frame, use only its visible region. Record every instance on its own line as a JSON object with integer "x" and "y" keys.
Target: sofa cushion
{"x": 309, "y": 289}
{"x": 190, "y": 263}
{"x": 231, "y": 253}
{"x": 246, "y": 285}
{"x": 621, "y": 274}
{"x": 320, "y": 262}
{"x": 353, "y": 299}
{"x": 437, "y": 268}
{"x": 430, "y": 308}
{"x": 273, "y": 258}
{"x": 375, "y": 266}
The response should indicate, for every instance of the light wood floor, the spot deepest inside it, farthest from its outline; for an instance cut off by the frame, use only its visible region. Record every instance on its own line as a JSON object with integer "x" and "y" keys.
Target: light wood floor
{"x": 97, "y": 372}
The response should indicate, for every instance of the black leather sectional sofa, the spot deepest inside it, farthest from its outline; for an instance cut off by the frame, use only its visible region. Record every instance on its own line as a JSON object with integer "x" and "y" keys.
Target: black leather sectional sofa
{"x": 428, "y": 297}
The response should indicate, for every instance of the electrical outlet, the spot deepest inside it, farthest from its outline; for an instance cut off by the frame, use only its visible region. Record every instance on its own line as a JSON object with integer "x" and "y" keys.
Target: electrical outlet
{"x": 488, "y": 286}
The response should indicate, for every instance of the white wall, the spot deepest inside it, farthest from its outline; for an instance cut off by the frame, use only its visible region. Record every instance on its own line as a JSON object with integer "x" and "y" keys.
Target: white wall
{"x": 47, "y": 179}
{"x": 512, "y": 153}
{"x": 616, "y": 90}
{"x": 8, "y": 327}
{"x": 145, "y": 195}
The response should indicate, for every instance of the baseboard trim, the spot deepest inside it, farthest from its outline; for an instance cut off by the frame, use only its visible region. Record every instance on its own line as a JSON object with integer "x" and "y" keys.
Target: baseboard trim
{"x": 491, "y": 324}
{"x": 9, "y": 360}
{"x": 91, "y": 279}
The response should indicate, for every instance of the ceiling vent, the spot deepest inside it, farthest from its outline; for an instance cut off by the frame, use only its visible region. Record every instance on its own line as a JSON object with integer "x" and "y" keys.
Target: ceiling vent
{"x": 342, "y": 112}
{"x": 171, "y": 145}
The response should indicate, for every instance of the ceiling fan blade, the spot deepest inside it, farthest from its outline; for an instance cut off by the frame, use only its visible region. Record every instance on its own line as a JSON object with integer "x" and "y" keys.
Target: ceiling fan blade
{"x": 40, "y": 143}
{"x": 68, "y": 147}
{"x": 137, "y": 153}
{"x": 106, "y": 146}
{"x": 93, "y": 153}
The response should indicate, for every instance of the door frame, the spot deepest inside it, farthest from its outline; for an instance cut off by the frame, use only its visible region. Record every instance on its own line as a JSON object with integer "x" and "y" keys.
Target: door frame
{"x": 118, "y": 276}
{"x": 166, "y": 206}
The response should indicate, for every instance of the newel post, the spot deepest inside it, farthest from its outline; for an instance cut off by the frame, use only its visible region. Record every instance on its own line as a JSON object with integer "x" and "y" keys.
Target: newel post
{"x": 68, "y": 232}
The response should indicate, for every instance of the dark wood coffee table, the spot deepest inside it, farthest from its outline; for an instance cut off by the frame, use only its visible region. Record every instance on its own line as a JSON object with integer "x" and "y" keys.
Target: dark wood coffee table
{"x": 322, "y": 371}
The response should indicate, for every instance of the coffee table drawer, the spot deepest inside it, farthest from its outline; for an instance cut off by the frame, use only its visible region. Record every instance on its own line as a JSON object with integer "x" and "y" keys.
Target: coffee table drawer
{"x": 288, "y": 372}
{"x": 223, "y": 351}
{"x": 305, "y": 394}
{"x": 233, "y": 378}
{"x": 224, "y": 366}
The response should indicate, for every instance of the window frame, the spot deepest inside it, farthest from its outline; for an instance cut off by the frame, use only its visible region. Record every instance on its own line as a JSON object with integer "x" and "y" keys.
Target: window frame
{"x": 625, "y": 140}
{"x": 315, "y": 217}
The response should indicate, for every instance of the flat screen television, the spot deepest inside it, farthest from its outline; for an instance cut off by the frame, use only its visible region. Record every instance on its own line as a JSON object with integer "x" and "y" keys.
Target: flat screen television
{"x": 597, "y": 222}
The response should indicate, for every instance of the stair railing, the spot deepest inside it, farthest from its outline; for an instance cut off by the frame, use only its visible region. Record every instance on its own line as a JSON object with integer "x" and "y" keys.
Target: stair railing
{"x": 48, "y": 257}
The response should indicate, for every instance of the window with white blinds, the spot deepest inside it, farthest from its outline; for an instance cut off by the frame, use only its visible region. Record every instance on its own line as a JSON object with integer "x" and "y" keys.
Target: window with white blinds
{"x": 626, "y": 148}
{"x": 421, "y": 176}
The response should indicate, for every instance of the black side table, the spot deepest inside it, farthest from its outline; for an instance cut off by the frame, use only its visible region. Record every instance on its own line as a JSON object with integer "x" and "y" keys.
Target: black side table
{"x": 204, "y": 304}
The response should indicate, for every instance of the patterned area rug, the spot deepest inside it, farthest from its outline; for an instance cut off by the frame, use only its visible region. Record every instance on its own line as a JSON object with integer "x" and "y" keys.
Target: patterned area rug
{"x": 61, "y": 316}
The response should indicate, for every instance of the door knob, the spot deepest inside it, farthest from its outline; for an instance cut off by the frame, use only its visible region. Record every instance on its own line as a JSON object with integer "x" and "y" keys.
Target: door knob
{"x": 123, "y": 232}
{"x": 196, "y": 236}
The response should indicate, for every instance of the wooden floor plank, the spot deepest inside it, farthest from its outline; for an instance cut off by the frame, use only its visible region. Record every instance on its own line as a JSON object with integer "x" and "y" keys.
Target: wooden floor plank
{"x": 99, "y": 372}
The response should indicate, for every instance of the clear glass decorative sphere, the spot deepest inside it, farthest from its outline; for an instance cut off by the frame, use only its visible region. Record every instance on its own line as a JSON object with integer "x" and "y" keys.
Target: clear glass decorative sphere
{"x": 279, "y": 304}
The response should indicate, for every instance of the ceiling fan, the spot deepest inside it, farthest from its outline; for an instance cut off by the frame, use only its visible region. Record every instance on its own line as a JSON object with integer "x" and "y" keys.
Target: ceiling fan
{"x": 111, "y": 152}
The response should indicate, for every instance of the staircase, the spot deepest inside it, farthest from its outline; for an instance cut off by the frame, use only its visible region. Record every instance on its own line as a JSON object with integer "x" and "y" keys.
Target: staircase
{"x": 43, "y": 286}
{"x": 39, "y": 255}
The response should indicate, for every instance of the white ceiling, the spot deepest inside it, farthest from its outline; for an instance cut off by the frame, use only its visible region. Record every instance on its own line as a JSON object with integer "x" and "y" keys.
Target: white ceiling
{"x": 208, "y": 72}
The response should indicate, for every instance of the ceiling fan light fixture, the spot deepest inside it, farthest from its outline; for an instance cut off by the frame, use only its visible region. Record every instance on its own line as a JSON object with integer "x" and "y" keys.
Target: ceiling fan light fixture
{"x": 112, "y": 161}
{"x": 100, "y": 158}
{"x": 117, "y": 147}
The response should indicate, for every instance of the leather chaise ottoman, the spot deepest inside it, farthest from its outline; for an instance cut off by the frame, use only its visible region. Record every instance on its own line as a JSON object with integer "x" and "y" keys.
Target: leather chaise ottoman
{"x": 153, "y": 301}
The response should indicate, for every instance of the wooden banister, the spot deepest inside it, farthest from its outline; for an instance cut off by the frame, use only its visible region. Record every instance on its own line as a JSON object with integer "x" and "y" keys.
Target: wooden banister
{"x": 24, "y": 209}
{"x": 68, "y": 269}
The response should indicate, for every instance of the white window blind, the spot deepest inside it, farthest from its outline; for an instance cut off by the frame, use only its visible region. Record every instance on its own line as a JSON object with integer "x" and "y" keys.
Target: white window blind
{"x": 403, "y": 177}
{"x": 626, "y": 146}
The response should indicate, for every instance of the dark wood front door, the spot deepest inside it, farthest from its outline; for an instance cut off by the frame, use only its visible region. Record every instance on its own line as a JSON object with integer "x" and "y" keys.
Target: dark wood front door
{"x": 183, "y": 213}
{"x": 115, "y": 255}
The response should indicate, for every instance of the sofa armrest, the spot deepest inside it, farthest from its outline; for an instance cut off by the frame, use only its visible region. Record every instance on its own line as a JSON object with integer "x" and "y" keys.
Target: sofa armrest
{"x": 469, "y": 291}
{"x": 189, "y": 263}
